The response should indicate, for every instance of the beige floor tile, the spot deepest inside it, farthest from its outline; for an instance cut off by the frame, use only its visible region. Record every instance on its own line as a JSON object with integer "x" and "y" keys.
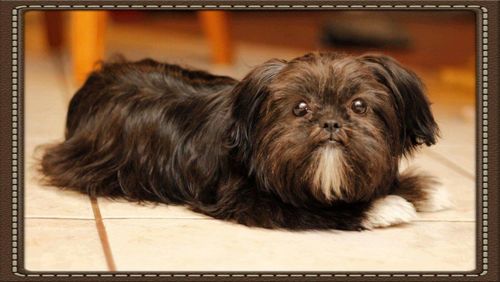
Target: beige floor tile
{"x": 62, "y": 245}
{"x": 211, "y": 245}
{"x": 45, "y": 113}
{"x": 461, "y": 157}
{"x": 45, "y": 101}
{"x": 461, "y": 189}
{"x": 458, "y": 140}
{"x": 119, "y": 208}
{"x": 457, "y": 128}
{"x": 52, "y": 202}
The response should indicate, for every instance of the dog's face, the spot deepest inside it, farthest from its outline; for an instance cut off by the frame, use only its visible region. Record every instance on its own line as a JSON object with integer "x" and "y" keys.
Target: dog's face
{"x": 330, "y": 128}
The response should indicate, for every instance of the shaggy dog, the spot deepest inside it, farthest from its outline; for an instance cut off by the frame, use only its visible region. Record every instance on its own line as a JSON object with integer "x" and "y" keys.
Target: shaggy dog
{"x": 310, "y": 143}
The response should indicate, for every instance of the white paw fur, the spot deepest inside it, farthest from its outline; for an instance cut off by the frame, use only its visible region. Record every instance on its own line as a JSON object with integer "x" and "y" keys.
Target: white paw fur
{"x": 437, "y": 199}
{"x": 388, "y": 211}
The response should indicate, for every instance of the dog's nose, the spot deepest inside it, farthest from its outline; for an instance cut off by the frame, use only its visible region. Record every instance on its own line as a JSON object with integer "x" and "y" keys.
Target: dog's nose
{"x": 331, "y": 125}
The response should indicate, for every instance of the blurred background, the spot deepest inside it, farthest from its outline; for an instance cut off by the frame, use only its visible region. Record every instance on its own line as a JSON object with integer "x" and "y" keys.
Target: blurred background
{"x": 65, "y": 231}
{"x": 439, "y": 46}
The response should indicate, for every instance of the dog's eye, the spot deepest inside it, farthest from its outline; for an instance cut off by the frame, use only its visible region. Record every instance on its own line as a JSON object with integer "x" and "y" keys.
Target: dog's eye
{"x": 301, "y": 109}
{"x": 358, "y": 106}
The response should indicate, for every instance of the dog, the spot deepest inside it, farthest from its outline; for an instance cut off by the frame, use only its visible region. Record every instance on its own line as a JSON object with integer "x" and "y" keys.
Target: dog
{"x": 310, "y": 143}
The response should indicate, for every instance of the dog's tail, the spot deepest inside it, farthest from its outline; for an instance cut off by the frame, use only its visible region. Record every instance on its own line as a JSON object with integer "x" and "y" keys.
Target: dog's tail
{"x": 103, "y": 170}
{"x": 77, "y": 163}
{"x": 71, "y": 165}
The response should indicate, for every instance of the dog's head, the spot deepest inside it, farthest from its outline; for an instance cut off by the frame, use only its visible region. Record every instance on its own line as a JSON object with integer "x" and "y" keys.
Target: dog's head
{"x": 329, "y": 126}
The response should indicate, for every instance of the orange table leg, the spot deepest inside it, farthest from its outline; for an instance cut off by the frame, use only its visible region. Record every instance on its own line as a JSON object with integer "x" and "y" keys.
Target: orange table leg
{"x": 54, "y": 29}
{"x": 215, "y": 25}
{"x": 86, "y": 39}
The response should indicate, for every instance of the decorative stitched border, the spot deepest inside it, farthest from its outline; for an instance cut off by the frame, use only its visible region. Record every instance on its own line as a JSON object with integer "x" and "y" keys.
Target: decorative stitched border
{"x": 483, "y": 82}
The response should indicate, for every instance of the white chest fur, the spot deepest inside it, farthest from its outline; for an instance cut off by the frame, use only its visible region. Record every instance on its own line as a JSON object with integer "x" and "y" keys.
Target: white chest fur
{"x": 330, "y": 175}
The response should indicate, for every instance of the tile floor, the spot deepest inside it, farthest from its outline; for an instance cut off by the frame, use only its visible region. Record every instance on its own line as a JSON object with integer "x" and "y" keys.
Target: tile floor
{"x": 61, "y": 232}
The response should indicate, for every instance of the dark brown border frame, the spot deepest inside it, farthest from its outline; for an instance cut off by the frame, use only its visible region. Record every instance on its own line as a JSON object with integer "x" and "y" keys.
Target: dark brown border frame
{"x": 12, "y": 139}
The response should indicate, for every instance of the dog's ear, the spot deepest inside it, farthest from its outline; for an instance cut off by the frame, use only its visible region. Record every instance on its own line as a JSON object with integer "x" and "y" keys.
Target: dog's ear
{"x": 248, "y": 96}
{"x": 412, "y": 105}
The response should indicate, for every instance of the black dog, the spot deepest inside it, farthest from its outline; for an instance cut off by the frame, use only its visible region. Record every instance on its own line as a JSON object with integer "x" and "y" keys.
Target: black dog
{"x": 312, "y": 143}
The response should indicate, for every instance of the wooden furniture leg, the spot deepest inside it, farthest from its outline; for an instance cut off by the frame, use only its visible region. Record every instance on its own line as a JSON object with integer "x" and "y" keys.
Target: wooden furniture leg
{"x": 54, "y": 29}
{"x": 216, "y": 28}
{"x": 86, "y": 39}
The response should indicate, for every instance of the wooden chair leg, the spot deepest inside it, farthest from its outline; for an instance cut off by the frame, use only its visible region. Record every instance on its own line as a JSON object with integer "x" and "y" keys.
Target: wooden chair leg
{"x": 86, "y": 39}
{"x": 54, "y": 29}
{"x": 215, "y": 25}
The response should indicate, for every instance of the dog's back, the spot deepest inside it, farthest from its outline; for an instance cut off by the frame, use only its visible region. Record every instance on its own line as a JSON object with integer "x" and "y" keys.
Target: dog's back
{"x": 122, "y": 113}
{"x": 145, "y": 80}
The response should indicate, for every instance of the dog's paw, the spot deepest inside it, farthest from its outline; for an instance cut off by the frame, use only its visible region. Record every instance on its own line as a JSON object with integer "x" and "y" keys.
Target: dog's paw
{"x": 388, "y": 211}
{"x": 436, "y": 198}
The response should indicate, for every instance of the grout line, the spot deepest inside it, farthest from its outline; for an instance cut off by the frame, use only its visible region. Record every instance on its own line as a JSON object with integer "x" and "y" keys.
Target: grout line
{"x": 103, "y": 236}
{"x": 450, "y": 164}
